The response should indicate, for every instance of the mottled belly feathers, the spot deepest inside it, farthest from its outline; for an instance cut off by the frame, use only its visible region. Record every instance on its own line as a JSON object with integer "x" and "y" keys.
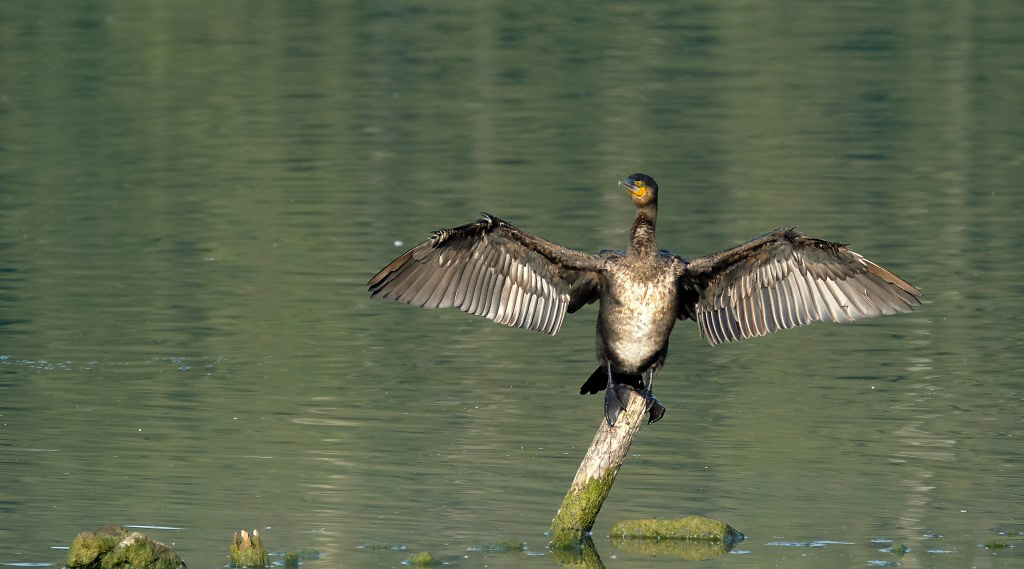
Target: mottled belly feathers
{"x": 638, "y": 309}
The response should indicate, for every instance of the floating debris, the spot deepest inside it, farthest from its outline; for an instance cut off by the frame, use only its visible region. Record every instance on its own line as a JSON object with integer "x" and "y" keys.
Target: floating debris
{"x": 815, "y": 543}
{"x": 507, "y": 546}
{"x": 381, "y": 546}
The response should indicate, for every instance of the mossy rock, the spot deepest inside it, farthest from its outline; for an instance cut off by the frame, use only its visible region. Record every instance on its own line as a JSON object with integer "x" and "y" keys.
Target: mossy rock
{"x": 89, "y": 547}
{"x": 248, "y": 551}
{"x": 690, "y": 527}
{"x": 424, "y": 559}
{"x": 113, "y": 547}
{"x": 136, "y": 551}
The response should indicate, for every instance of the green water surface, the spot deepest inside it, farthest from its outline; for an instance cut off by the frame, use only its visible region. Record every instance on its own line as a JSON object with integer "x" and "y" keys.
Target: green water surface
{"x": 194, "y": 194}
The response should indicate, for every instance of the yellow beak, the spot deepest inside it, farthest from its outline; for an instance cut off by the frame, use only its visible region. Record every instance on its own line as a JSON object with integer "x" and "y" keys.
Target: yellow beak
{"x": 635, "y": 191}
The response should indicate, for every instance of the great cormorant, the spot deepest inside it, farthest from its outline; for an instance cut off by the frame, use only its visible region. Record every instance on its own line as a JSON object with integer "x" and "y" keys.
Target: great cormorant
{"x": 779, "y": 280}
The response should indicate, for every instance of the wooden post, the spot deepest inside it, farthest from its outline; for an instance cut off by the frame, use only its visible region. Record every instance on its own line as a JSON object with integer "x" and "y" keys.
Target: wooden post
{"x": 596, "y": 474}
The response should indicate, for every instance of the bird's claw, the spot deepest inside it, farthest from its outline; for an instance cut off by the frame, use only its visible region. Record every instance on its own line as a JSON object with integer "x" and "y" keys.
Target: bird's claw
{"x": 615, "y": 398}
{"x": 655, "y": 410}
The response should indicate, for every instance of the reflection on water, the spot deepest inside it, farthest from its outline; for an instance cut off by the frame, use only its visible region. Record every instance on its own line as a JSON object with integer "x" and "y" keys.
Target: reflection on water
{"x": 191, "y": 201}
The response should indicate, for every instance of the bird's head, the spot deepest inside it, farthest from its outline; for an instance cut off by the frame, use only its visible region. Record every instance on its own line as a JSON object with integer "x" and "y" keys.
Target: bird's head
{"x": 642, "y": 188}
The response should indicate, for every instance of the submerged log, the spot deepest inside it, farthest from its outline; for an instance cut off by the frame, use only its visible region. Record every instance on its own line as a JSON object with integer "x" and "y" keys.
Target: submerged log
{"x": 596, "y": 474}
{"x": 693, "y": 528}
{"x": 693, "y": 538}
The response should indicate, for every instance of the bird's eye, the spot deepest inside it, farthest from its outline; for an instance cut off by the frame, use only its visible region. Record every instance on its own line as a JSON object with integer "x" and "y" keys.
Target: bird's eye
{"x": 639, "y": 183}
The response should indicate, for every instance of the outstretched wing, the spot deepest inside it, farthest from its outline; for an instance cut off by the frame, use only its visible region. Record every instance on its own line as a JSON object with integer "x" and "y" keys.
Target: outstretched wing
{"x": 492, "y": 268}
{"x": 785, "y": 279}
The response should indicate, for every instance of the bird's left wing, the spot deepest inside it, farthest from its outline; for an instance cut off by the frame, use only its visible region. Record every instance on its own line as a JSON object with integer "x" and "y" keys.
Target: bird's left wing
{"x": 493, "y": 269}
{"x": 785, "y": 279}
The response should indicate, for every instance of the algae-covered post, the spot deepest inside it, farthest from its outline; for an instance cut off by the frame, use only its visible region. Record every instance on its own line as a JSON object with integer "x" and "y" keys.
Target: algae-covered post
{"x": 596, "y": 474}
{"x": 248, "y": 551}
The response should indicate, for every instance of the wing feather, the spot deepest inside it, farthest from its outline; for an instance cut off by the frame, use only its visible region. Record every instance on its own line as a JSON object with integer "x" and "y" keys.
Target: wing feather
{"x": 448, "y": 300}
{"x": 442, "y": 288}
{"x": 785, "y": 279}
{"x": 493, "y": 269}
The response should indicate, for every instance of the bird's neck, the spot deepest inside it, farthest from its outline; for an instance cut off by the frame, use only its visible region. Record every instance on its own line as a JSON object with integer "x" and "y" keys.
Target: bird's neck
{"x": 641, "y": 236}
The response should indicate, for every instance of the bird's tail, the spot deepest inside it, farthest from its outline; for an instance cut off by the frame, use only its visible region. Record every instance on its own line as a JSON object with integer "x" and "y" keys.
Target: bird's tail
{"x": 598, "y": 380}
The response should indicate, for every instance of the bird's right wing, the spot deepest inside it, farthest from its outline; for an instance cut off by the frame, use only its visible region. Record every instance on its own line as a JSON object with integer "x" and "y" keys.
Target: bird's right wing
{"x": 493, "y": 269}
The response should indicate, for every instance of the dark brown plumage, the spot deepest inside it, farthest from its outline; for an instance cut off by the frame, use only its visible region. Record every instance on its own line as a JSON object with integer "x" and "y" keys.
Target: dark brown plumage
{"x": 780, "y": 280}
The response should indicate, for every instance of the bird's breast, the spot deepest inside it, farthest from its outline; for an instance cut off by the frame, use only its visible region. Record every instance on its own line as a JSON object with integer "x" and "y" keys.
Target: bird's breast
{"x": 636, "y": 319}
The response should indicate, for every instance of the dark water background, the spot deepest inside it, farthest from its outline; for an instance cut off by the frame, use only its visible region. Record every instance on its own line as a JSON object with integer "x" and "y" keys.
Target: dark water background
{"x": 193, "y": 195}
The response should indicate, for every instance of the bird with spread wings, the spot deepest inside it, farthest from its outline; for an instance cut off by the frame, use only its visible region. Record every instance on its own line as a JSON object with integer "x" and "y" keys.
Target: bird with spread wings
{"x": 779, "y": 280}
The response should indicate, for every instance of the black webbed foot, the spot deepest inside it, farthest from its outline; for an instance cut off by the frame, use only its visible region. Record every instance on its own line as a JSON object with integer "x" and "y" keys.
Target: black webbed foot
{"x": 615, "y": 397}
{"x": 655, "y": 411}
{"x": 616, "y": 393}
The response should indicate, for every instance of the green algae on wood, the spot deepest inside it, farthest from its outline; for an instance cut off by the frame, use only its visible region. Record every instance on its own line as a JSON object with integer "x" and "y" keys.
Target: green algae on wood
{"x": 690, "y": 527}
{"x": 596, "y": 474}
{"x": 113, "y": 547}
{"x": 248, "y": 551}
{"x": 579, "y": 510}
